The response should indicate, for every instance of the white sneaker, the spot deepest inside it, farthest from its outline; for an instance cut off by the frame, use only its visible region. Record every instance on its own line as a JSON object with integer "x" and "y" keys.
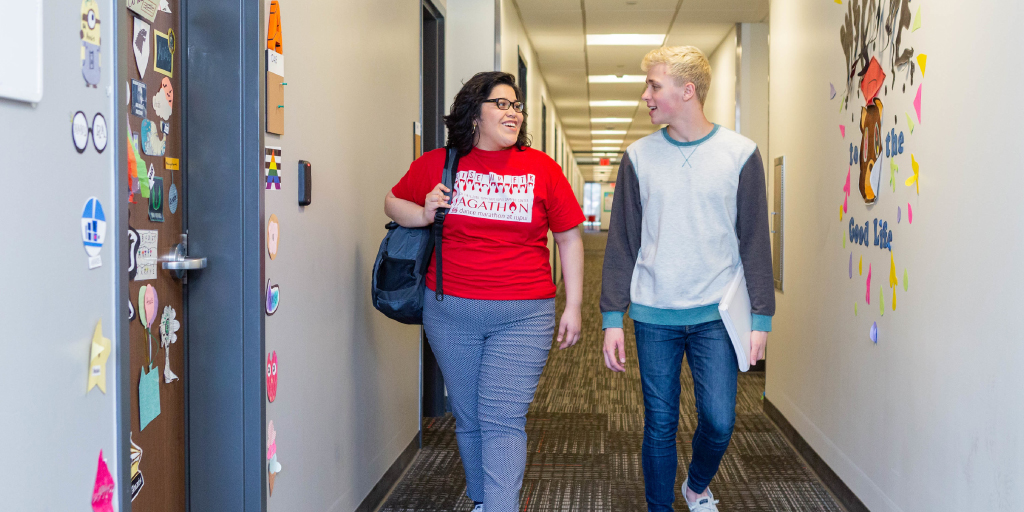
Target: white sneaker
{"x": 478, "y": 508}
{"x": 704, "y": 504}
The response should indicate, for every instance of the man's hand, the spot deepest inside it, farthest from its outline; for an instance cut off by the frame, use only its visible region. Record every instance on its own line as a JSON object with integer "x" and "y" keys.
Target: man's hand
{"x": 615, "y": 340}
{"x": 758, "y": 340}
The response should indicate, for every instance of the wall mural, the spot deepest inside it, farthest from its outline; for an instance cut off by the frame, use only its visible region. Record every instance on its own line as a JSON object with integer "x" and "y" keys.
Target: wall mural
{"x": 881, "y": 82}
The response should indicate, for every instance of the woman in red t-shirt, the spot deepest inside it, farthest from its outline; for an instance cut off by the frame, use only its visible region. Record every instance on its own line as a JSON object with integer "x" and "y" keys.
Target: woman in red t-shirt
{"x": 492, "y": 332}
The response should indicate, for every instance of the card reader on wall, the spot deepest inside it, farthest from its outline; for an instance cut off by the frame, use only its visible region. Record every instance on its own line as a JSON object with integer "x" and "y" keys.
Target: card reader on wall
{"x": 305, "y": 183}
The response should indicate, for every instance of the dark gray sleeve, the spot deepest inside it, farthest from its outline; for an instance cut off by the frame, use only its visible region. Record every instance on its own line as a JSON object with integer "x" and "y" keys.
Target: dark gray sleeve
{"x": 623, "y": 245}
{"x": 755, "y": 244}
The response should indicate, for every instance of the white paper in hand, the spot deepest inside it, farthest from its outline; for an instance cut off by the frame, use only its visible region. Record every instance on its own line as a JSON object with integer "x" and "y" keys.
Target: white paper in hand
{"x": 735, "y": 311}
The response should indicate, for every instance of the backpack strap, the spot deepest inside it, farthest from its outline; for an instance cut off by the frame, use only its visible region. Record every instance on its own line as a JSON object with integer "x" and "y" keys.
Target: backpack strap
{"x": 451, "y": 166}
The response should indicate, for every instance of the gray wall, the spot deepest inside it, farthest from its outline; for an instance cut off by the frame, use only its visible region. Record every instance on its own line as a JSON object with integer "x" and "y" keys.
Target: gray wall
{"x": 348, "y": 392}
{"x": 51, "y": 301}
{"x": 930, "y": 417}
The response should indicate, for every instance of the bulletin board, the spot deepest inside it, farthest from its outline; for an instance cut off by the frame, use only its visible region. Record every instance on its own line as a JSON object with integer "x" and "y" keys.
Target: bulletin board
{"x": 155, "y": 202}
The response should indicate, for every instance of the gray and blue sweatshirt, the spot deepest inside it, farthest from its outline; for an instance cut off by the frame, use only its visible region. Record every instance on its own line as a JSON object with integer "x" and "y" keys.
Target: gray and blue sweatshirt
{"x": 685, "y": 218}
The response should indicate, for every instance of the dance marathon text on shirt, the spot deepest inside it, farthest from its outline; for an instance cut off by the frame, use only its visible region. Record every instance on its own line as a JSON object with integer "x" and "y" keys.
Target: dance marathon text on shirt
{"x": 494, "y": 196}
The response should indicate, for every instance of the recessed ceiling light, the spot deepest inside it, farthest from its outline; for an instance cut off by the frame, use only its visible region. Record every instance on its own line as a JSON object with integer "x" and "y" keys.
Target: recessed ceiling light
{"x": 610, "y": 148}
{"x": 607, "y": 132}
{"x": 626, "y": 39}
{"x": 606, "y": 141}
{"x": 620, "y": 79}
{"x": 611, "y": 119}
{"x": 615, "y": 103}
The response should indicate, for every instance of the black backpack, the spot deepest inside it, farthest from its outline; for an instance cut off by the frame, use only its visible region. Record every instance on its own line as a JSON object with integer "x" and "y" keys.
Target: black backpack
{"x": 400, "y": 271}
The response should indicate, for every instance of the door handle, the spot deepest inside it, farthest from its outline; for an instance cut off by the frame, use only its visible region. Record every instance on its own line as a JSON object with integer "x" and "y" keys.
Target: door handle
{"x": 179, "y": 262}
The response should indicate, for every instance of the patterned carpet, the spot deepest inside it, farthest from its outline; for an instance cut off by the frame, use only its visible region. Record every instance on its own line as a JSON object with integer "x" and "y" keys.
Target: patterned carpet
{"x": 585, "y": 430}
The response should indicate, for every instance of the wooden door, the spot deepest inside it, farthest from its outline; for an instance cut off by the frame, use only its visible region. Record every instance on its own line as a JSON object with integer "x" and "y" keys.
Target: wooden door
{"x": 156, "y": 208}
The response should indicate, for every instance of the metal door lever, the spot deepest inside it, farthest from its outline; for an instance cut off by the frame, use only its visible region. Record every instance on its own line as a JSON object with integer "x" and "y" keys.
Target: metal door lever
{"x": 179, "y": 262}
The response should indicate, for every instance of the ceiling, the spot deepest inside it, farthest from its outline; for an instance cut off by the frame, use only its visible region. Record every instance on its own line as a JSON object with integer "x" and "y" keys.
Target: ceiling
{"x": 558, "y": 29}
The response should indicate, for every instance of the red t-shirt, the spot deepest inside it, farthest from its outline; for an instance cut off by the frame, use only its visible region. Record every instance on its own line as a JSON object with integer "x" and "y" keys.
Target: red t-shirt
{"x": 495, "y": 235}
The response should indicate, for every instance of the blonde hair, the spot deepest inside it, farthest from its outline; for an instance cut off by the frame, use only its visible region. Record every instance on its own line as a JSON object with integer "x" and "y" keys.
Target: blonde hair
{"x": 685, "y": 64}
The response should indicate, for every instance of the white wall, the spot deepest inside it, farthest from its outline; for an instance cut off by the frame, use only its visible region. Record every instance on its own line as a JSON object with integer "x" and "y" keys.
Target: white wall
{"x": 720, "y": 105}
{"x": 469, "y": 43}
{"x": 752, "y": 80}
{"x": 51, "y": 301}
{"x": 930, "y": 417}
{"x": 348, "y": 395}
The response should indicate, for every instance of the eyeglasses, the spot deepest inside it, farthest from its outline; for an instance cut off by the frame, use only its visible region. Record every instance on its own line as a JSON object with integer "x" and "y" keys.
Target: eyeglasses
{"x": 504, "y": 104}
{"x": 81, "y": 131}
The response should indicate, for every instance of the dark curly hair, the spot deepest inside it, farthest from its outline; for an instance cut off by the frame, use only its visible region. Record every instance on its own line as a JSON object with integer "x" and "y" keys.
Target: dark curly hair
{"x": 466, "y": 109}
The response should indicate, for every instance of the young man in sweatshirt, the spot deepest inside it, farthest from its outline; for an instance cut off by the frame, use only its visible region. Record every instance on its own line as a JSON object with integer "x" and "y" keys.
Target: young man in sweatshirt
{"x": 689, "y": 213}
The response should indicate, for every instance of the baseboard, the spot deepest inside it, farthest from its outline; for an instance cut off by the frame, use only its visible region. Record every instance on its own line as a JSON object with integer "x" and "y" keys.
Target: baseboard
{"x": 390, "y": 478}
{"x": 843, "y": 494}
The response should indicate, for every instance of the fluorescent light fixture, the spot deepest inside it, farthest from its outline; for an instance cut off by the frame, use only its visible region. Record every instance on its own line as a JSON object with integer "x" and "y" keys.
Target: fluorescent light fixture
{"x": 606, "y": 141}
{"x": 612, "y": 79}
{"x": 607, "y": 132}
{"x": 626, "y": 39}
{"x": 615, "y": 103}
{"x": 610, "y": 148}
{"x": 611, "y": 119}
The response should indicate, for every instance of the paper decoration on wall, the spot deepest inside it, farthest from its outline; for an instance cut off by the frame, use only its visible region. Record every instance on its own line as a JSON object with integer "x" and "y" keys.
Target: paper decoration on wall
{"x": 138, "y": 98}
{"x": 274, "y": 38}
{"x": 94, "y": 230}
{"x": 899, "y": 214}
{"x": 273, "y": 298}
{"x": 140, "y": 44}
{"x": 910, "y": 214}
{"x": 867, "y": 295}
{"x": 149, "y": 395}
{"x": 98, "y": 353}
{"x": 145, "y": 8}
{"x": 164, "y": 7}
{"x": 851, "y": 265}
{"x": 860, "y": 266}
{"x": 168, "y": 327}
{"x": 881, "y": 301}
{"x": 81, "y": 131}
{"x": 873, "y": 333}
{"x": 271, "y": 164}
{"x": 156, "y": 201}
{"x": 917, "y": 20}
{"x": 893, "y": 168}
{"x": 272, "y": 376}
{"x": 103, "y": 489}
{"x": 273, "y": 466}
{"x": 842, "y": 130}
{"x": 275, "y": 71}
{"x": 152, "y": 143}
{"x": 910, "y": 123}
{"x": 90, "y": 35}
{"x": 922, "y": 59}
{"x": 146, "y": 255}
{"x": 917, "y": 103}
{"x": 163, "y": 100}
{"x": 872, "y": 80}
{"x": 149, "y": 304}
{"x": 906, "y": 284}
{"x": 914, "y": 180}
{"x": 136, "y": 472}
{"x": 271, "y": 440}
{"x": 846, "y": 190}
{"x": 164, "y": 46}
{"x": 831, "y": 91}
{"x": 273, "y": 232}
{"x": 892, "y": 279}
{"x": 871, "y": 148}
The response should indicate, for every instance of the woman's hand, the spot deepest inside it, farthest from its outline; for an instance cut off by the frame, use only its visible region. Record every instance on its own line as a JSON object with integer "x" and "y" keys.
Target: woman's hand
{"x": 570, "y": 326}
{"x": 435, "y": 199}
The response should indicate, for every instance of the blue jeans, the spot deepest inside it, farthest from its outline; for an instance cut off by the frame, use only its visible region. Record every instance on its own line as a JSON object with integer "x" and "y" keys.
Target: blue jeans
{"x": 712, "y": 361}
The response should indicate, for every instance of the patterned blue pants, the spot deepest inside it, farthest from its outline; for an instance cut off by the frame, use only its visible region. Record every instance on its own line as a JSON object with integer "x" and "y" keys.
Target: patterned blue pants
{"x": 491, "y": 353}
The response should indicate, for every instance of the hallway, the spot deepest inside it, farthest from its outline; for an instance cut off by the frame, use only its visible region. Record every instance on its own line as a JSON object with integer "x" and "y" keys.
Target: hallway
{"x": 585, "y": 430}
